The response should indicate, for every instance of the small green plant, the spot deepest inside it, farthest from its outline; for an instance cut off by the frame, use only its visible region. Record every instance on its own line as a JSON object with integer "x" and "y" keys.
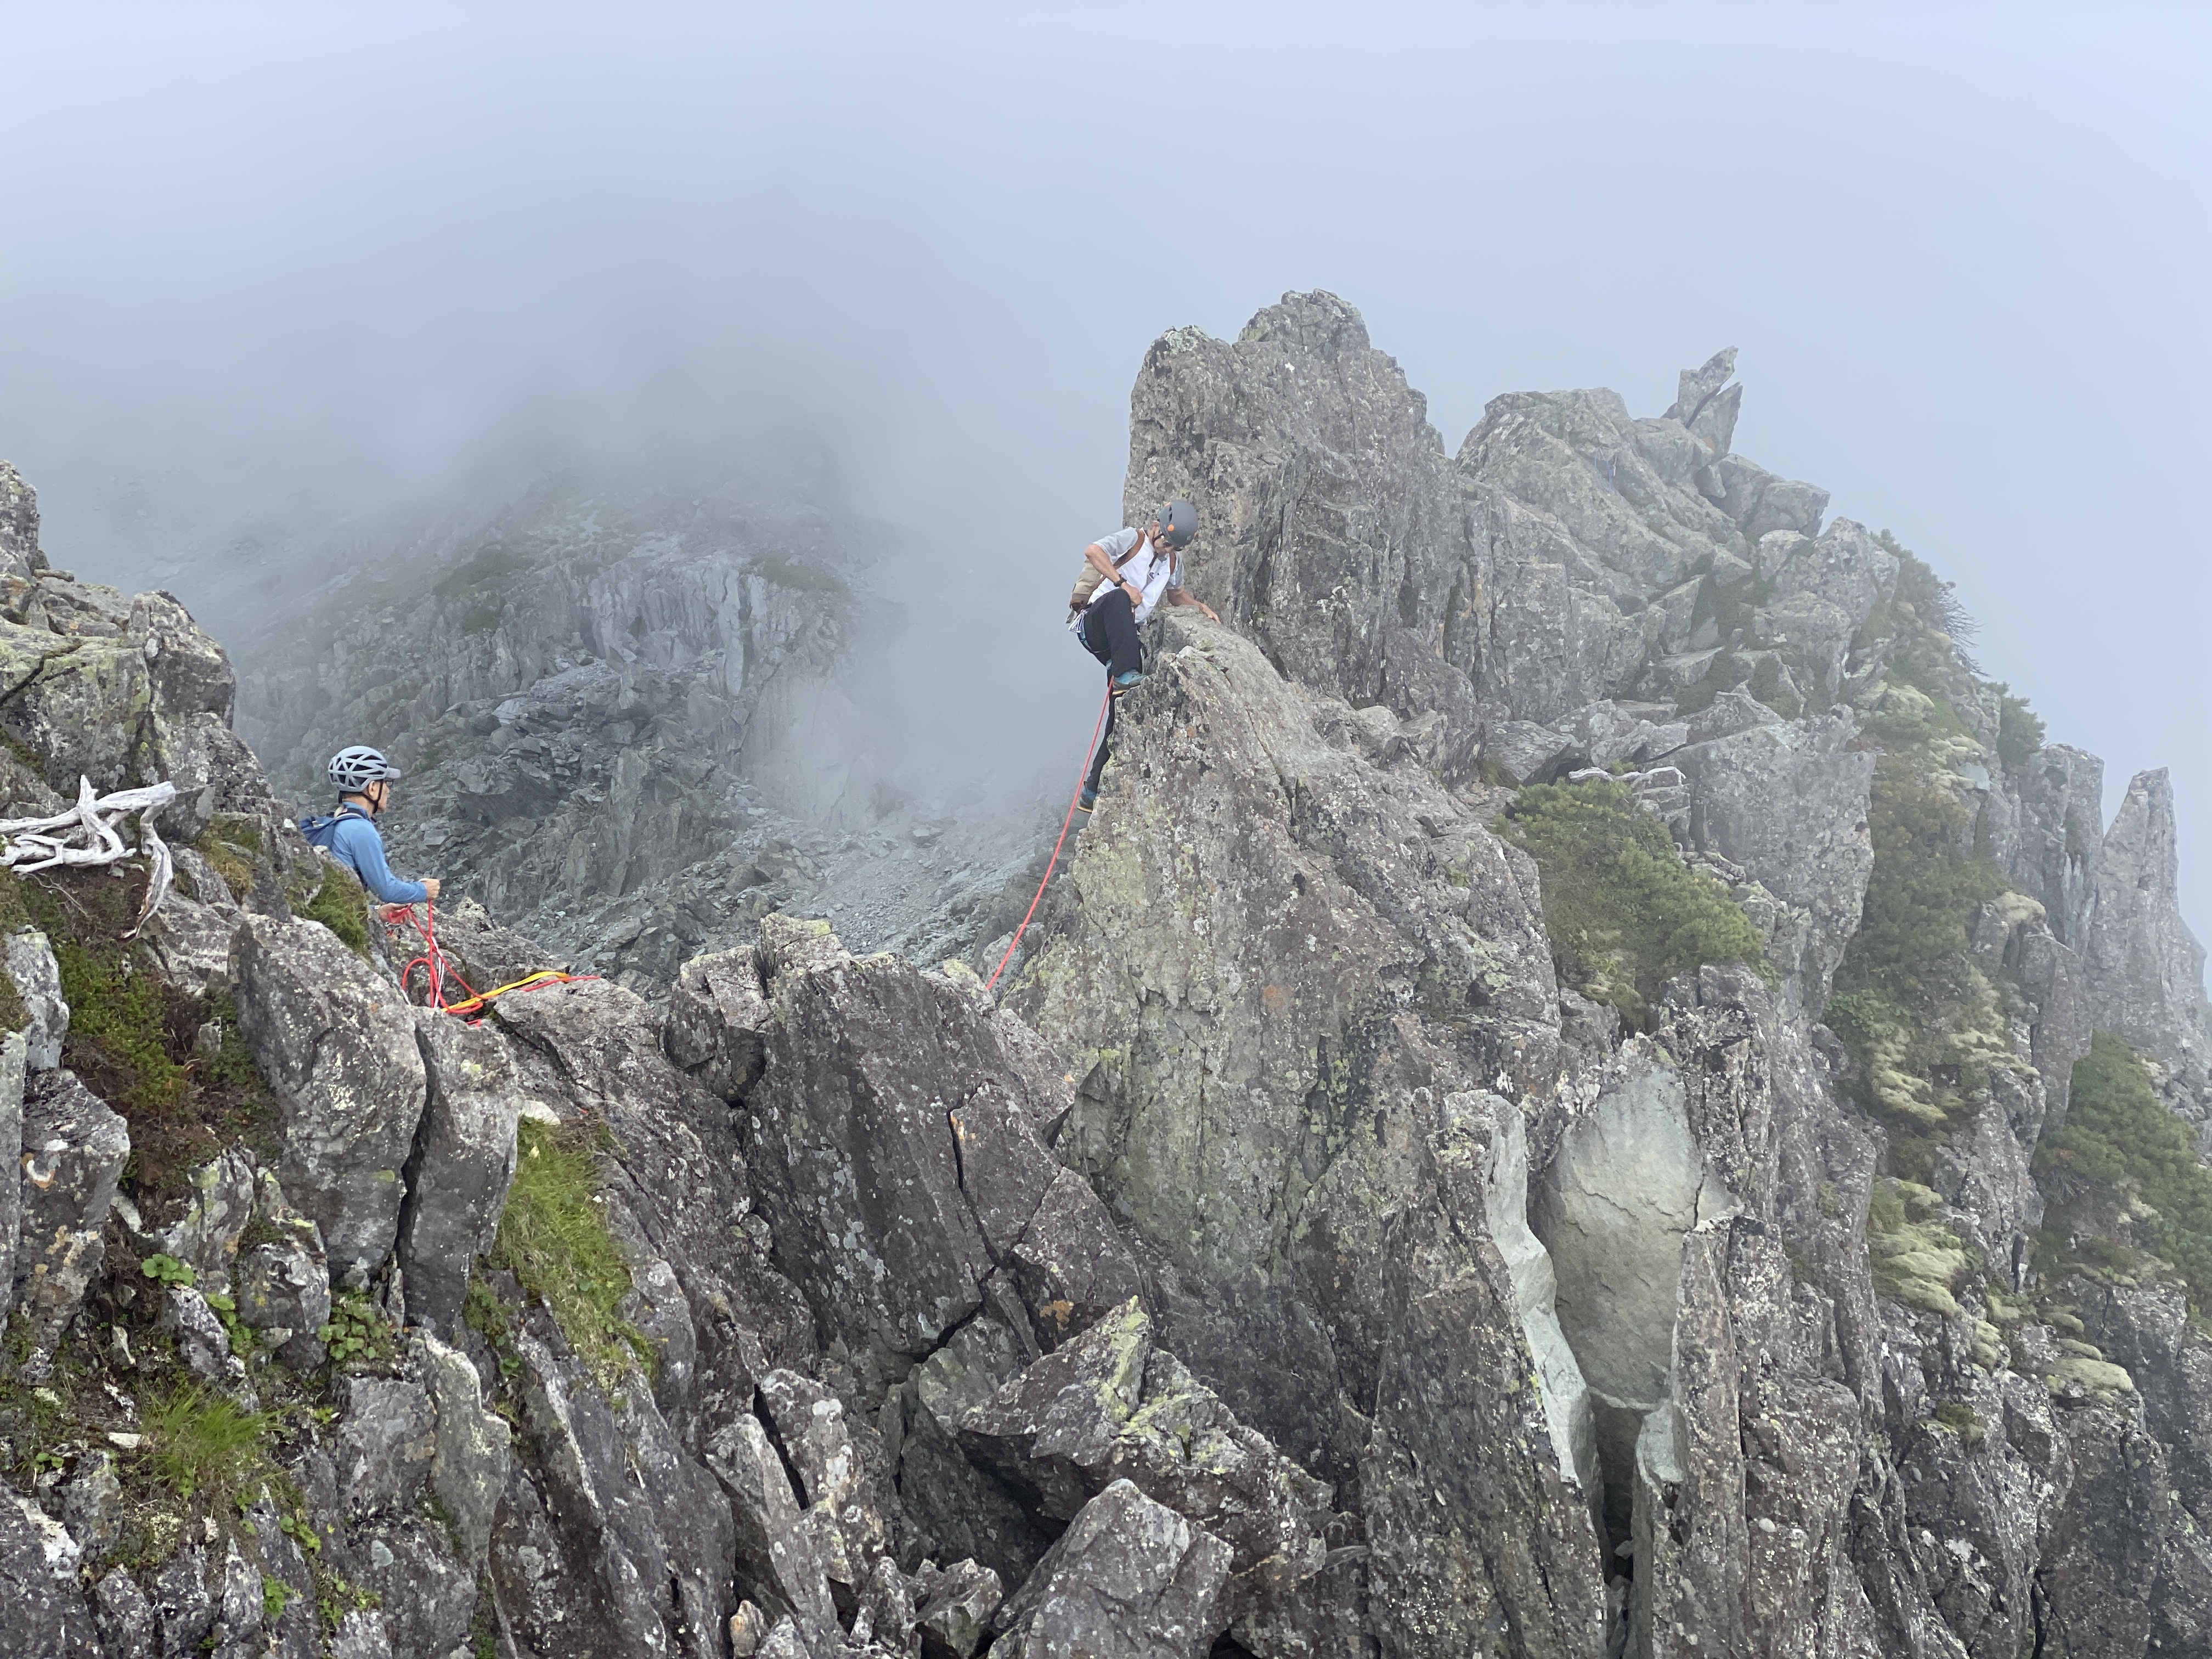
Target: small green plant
{"x": 553, "y": 1237}
{"x": 296, "y": 1529}
{"x": 244, "y": 1341}
{"x": 336, "y": 1597}
{"x": 358, "y": 1330}
{"x": 121, "y": 1013}
{"x": 231, "y": 1066}
{"x": 200, "y": 1442}
{"x": 167, "y": 1270}
{"x": 481, "y": 1311}
{"x": 2020, "y": 732}
{"x": 274, "y": 1593}
{"x": 1624, "y": 913}
{"x": 2124, "y": 1162}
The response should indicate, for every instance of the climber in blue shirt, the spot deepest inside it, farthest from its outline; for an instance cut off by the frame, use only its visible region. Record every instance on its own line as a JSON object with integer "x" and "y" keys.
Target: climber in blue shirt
{"x": 364, "y": 780}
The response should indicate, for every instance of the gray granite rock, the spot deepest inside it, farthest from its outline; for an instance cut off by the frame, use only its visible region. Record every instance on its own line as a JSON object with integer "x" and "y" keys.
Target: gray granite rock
{"x": 337, "y": 1044}
{"x": 1128, "y": 1575}
{"x": 1787, "y": 803}
{"x": 2146, "y": 967}
{"x": 386, "y": 1442}
{"x": 74, "y": 1150}
{"x": 472, "y": 1446}
{"x": 896, "y": 1182}
{"x": 461, "y": 1165}
{"x": 203, "y": 1345}
{"x": 717, "y": 1016}
{"x": 955, "y": 1604}
{"x": 283, "y": 1288}
{"x": 45, "y": 1613}
{"x": 125, "y": 1616}
{"x": 28, "y": 961}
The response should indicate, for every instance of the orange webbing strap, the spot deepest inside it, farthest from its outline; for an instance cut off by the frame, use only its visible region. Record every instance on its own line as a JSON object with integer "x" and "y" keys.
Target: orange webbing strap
{"x": 438, "y": 970}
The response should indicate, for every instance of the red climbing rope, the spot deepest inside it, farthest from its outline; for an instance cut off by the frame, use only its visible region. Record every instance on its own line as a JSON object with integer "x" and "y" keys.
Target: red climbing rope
{"x": 437, "y": 969}
{"x": 1097, "y": 727}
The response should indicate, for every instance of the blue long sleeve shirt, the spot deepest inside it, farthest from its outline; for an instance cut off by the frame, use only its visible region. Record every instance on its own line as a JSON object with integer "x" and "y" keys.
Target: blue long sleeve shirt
{"x": 354, "y": 840}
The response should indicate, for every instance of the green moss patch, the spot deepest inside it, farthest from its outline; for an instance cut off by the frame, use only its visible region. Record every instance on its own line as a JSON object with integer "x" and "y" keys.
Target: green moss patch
{"x": 796, "y": 574}
{"x": 553, "y": 1237}
{"x": 2123, "y": 1175}
{"x": 1915, "y": 1260}
{"x": 1923, "y": 1026}
{"x": 134, "y": 1039}
{"x": 231, "y": 843}
{"x": 341, "y": 904}
{"x": 488, "y": 566}
{"x": 1624, "y": 913}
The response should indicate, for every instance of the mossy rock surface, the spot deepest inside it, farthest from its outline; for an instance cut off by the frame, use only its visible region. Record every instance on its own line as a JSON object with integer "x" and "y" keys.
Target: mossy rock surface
{"x": 1624, "y": 912}
{"x": 2129, "y": 1193}
{"x": 134, "y": 1038}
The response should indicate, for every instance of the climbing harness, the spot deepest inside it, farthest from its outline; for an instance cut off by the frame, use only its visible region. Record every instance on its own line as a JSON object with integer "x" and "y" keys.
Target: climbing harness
{"x": 439, "y": 971}
{"x": 1097, "y": 727}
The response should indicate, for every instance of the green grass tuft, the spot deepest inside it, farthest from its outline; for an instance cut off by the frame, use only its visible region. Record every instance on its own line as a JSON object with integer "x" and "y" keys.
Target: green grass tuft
{"x": 1624, "y": 913}
{"x": 230, "y": 844}
{"x": 202, "y": 1444}
{"x": 553, "y": 1237}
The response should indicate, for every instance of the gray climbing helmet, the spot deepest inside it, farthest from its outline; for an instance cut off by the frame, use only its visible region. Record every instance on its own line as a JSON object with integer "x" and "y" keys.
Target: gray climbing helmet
{"x": 1178, "y": 522}
{"x": 354, "y": 769}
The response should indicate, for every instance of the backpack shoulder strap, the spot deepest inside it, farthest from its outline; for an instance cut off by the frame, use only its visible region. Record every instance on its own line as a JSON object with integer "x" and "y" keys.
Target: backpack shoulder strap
{"x": 1132, "y": 553}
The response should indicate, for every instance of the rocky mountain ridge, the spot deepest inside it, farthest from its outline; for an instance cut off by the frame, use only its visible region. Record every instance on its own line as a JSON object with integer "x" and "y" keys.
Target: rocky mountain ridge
{"x": 1590, "y": 1089}
{"x": 629, "y": 718}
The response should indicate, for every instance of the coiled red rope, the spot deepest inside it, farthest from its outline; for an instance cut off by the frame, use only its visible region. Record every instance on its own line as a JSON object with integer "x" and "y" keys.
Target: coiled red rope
{"x": 438, "y": 970}
{"x": 1097, "y": 727}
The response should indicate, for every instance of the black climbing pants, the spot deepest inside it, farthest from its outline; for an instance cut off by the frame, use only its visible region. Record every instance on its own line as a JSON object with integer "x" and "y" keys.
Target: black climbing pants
{"x": 1108, "y": 632}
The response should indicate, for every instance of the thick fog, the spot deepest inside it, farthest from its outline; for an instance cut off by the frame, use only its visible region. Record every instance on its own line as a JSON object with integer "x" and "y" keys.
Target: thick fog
{"x": 278, "y": 273}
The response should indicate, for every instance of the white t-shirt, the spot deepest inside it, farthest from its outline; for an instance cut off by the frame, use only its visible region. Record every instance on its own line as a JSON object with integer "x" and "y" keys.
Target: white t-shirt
{"x": 1152, "y": 570}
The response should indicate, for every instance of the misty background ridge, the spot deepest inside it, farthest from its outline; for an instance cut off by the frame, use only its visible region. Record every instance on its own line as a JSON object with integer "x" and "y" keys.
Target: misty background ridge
{"x": 284, "y": 292}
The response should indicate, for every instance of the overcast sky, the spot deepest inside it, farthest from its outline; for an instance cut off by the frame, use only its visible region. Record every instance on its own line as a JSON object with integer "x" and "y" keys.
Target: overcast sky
{"x": 276, "y": 266}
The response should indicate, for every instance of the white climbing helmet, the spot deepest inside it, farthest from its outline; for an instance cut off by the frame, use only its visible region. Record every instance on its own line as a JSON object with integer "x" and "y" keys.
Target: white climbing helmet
{"x": 354, "y": 769}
